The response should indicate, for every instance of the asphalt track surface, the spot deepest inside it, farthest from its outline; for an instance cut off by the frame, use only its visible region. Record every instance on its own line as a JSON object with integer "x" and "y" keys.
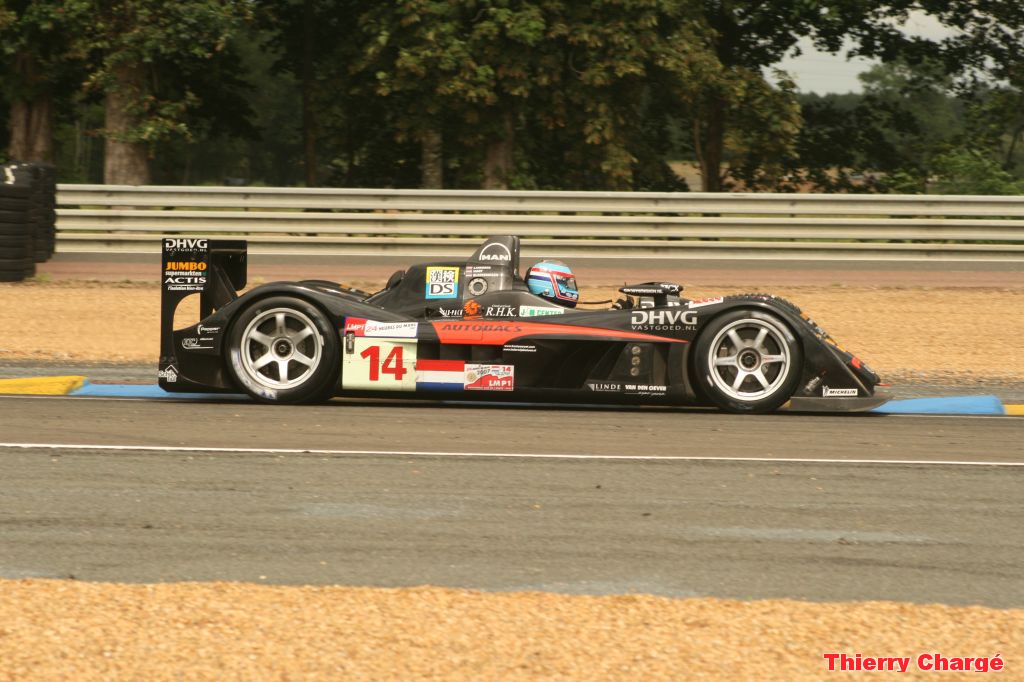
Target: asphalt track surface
{"x": 671, "y": 502}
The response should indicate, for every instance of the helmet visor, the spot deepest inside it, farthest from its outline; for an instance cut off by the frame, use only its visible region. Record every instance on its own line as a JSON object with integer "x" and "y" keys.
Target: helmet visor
{"x": 565, "y": 287}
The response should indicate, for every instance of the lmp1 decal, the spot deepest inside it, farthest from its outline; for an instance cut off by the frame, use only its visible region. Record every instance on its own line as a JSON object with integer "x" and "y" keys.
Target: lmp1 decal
{"x": 490, "y": 377}
{"x": 440, "y": 375}
{"x": 498, "y": 333}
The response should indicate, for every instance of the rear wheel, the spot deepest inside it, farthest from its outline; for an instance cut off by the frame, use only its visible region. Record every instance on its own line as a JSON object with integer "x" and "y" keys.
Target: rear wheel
{"x": 748, "y": 361}
{"x": 284, "y": 350}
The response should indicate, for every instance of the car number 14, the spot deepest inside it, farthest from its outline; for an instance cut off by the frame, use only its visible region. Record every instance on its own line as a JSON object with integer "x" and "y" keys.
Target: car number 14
{"x": 392, "y": 363}
{"x": 380, "y": 365}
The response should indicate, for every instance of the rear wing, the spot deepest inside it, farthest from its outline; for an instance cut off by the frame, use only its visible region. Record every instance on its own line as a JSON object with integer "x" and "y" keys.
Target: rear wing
{"x": 214, "y": 268}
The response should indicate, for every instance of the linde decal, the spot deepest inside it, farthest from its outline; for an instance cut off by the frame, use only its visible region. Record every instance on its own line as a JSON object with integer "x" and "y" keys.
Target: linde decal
{"x": 496, "y": 252}
{"x": 182, "y": 243}
{"x": 604, "y": 386}
{"x": 663, "y": 319}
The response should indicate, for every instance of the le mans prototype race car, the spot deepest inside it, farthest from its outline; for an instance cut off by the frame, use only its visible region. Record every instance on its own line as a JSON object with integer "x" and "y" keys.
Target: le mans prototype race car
{"x": 473, "y": 330}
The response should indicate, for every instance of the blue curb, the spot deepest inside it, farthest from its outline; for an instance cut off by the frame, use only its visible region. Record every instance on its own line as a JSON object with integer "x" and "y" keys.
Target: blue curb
{"x": 954, "y": 405}
{"x": 966, "y": 404}
{"x": 147, "y": 391}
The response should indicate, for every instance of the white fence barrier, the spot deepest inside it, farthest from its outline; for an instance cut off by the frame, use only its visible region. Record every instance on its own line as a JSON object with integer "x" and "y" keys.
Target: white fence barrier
{"x": 595, "y": 224}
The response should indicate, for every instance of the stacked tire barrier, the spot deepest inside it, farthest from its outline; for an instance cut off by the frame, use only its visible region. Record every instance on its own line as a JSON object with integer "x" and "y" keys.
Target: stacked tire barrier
{"x": 27, "y": 218}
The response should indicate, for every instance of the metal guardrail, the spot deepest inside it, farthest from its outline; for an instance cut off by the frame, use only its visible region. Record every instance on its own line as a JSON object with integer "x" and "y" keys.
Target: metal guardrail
{"x": 596, "y": 224}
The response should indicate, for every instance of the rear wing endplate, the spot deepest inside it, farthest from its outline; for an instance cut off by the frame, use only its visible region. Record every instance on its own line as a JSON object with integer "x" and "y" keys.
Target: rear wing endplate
{"x": 214, "y": 268}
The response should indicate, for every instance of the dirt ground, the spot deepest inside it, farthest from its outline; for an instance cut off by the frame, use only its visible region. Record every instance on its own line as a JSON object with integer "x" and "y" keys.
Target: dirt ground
{"x": 919, "y": 333}
{"x": 222, "y": 631}
{"x": 61, "y": 630}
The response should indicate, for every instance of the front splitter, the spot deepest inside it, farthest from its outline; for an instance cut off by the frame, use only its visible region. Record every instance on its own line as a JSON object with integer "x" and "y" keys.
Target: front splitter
{"x": 859, "y": 404}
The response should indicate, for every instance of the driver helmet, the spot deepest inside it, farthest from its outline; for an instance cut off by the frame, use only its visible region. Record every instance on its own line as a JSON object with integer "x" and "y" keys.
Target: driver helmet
{"x": 553, "y": 280}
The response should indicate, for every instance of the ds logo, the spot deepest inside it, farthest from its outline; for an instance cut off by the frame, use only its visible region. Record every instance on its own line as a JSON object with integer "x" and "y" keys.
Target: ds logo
{"x": 183, "y": 243}
{"x": 442, "y": 282}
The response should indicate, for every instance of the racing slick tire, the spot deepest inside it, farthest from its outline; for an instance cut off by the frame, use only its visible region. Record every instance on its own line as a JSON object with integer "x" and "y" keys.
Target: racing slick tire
{"x": 748, "y": 361}
{"x": 284, "y": 350}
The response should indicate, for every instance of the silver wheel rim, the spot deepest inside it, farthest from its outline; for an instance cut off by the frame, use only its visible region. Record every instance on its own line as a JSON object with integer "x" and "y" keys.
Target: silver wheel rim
{"x": 749, "y": 359}
{"x": 281, "y": 348}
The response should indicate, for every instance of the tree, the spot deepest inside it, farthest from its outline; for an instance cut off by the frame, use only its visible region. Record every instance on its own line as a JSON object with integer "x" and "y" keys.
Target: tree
{"x": 468, "y": 62}
{"x": 146, "y": 55}
{"x": 315, "y": 42}
{"x": 753, "y": 36}
{"x": 500, "y": 74}
{"x": 971, "y": 171}
{"x": 39, "y": 58}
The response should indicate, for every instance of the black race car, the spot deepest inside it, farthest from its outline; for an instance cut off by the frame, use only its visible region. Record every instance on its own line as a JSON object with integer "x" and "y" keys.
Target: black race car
{"x": 472, "y": 330}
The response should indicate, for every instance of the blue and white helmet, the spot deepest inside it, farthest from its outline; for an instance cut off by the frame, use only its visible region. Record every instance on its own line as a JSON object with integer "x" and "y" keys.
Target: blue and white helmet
{"x": 553, "y": 280}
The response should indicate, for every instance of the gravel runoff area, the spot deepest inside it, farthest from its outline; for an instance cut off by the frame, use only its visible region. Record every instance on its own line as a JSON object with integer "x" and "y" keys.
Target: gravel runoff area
{"x": 72, "y": 630}
{"x": 66, "y": 630}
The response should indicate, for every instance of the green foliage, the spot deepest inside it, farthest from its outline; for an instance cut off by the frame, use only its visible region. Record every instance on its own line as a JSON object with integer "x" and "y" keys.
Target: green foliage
{"x": 971, "y": 171}
{"x": 176, "y": 47}
{"x": 575, "y": 95}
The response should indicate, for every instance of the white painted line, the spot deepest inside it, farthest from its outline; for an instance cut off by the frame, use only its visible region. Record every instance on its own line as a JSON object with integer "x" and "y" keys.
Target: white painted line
{"x": 500, "y": 455}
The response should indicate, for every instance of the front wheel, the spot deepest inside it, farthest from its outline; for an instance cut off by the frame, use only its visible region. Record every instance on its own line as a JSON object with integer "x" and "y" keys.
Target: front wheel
{"x": 284, "y": 350}
{"x": 748, "y": 361}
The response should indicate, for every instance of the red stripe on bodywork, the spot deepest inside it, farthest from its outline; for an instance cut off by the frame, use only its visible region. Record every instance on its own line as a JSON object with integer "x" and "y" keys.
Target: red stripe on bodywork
{"x": 441, "y": 365}
{"x": 495, "y": 333}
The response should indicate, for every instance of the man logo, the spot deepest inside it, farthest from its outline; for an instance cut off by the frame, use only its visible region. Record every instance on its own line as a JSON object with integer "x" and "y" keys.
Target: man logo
{"x": 496, "y": 252}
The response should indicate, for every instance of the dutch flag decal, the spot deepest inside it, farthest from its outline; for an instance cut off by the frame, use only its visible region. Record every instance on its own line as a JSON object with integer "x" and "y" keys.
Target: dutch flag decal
{"x": 440, "y": 375}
